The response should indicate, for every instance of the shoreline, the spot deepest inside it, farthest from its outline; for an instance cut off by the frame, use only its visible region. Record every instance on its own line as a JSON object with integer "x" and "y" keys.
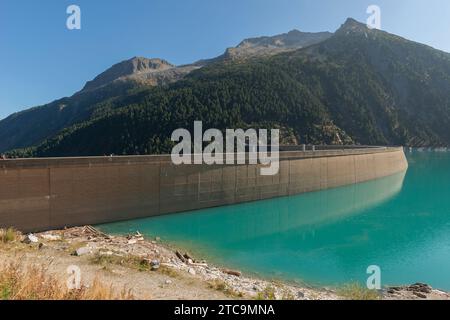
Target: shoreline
{"x": 151, "y": 269}
{"x": 244, "y": 274}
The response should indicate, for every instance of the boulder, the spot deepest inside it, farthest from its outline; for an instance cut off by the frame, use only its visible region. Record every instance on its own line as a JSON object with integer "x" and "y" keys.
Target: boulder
{"x": 31, "y": 238}
{"x": 155, "y": 264}
{"x": 82, "y": 251}
{"x": 420, "y": 287}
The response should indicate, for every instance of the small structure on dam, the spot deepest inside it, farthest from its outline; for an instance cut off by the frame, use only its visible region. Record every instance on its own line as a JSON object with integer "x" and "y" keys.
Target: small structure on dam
{"x": 43, "y": 194}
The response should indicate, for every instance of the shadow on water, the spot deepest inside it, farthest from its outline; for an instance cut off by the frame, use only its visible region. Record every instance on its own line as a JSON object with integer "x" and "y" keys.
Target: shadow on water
{"x": 328, "y": 237}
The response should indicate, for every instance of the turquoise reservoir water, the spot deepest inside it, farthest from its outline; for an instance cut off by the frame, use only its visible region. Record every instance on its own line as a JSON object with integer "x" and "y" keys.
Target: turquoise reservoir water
{"x": 400, "y": 223}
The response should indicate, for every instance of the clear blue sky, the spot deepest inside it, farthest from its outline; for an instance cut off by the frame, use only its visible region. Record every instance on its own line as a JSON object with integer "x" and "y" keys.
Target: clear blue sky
{"x": 40, "y": 60}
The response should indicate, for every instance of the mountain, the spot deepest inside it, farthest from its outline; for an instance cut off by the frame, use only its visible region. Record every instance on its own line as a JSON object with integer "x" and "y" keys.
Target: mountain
{"x": 31, "y": 127}
{"x": 150, "y": 72}
{"x": 359, "y": 85}
{"x": 134, "y": 66}
{"x": 155, "y": 72}
{"x": 398, "y": 88}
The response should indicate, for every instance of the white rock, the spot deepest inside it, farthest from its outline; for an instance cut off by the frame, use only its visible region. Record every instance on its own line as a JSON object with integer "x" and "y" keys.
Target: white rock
{"x": 82, "y": 251}
{"x": 192, "y": 271}
{"x": 51, "y": 237}
{"x": 31, "y": 238}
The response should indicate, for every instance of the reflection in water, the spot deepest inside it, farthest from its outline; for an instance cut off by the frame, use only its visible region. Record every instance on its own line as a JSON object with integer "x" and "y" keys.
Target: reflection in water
{"x": 269, "y": 217}
{"x": 327, "y": 237}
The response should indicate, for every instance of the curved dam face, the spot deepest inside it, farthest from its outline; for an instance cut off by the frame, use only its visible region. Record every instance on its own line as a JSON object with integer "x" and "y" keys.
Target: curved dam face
{"x": 43, "y": 194}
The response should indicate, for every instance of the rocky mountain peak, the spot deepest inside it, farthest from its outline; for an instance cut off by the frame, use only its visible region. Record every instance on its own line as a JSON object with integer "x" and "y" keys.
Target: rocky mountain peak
{"x": 130, "y": 67}
{"x": 141, "y": 64}
{"x": 351, "y": 25}
{"x": 270, "y": 45}
{"x": 293, "y": 39}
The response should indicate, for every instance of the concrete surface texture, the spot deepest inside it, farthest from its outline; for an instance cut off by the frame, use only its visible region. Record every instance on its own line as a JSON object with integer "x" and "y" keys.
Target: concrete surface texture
{"x": 43, "y": 194}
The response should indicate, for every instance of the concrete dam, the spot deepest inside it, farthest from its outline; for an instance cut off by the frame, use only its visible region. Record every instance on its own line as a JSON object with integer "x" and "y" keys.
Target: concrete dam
{"x": 51, "y": 193}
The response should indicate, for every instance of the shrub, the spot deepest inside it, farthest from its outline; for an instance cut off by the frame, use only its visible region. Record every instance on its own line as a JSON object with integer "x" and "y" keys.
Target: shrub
{"x": 354, "y": 291}
{"x": 9, "y": 235}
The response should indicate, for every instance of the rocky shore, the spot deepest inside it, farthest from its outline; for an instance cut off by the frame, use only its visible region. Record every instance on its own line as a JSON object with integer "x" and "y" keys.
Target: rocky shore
{"x": 154, "y": 255}
{"x": 153, "y": 270}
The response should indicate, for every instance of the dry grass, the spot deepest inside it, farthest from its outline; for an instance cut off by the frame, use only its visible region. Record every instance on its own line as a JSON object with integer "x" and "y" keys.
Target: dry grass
{"x": 170, "y": 272}
{"x": 33, "y": 283}
{"x": 9, "y": 235}
{"x": 129, "y": 261}
{"x": 221, "y": 286}
{"x": 287, "y": 295}
{"x": 354, "y": 291}
{"x": 267, "y": 294}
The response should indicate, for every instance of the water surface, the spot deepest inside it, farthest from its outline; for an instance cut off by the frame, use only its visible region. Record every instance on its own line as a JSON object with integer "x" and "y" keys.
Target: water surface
{"x": 400, "y": 223}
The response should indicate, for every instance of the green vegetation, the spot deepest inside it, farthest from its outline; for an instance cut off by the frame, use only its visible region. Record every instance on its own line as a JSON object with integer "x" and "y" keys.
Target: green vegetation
{"x": 130, "y": 261}
{"x": 32, "y": 126}
{"x": 9, "y": 235}
{"x": 267, "y": 294}
{"x": 220, "y": 285}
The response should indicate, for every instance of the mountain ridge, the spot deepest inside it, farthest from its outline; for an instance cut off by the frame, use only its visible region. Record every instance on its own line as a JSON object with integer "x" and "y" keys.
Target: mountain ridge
{"x": 126, "y": 68}
{"x": 25, "y": 128}
{"x": 157, "y": 71}
{"x": 362, "y": 85}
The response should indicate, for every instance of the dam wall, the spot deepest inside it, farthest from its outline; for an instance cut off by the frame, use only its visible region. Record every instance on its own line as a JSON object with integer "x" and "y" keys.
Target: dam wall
{"x": 44, "y": 194}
